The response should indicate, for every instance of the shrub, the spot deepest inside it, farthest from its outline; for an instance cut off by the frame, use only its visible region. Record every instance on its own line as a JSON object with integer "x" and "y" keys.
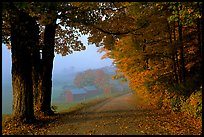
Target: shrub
{"x": 176, "y": 104}
{"x": 193, "y": 105}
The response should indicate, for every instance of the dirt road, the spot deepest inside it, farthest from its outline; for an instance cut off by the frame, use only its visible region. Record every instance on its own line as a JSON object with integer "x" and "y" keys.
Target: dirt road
{"x": 120, "y": 116}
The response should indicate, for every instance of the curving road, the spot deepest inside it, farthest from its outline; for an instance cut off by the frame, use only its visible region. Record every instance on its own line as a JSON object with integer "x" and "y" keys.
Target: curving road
{"x": 121, "y": 115}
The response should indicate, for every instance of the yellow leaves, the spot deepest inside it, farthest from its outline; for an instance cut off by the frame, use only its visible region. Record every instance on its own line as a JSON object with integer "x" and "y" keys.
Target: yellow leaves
{"x": 194, "y": 99}
{"x": 126, "y": 4}
{"x": 125, "y": 43}
{"x": 105, "y": 56}
{"x": 77, "y": 4}
{"x": 193, "y": 102}
{"x": 107, "y": 52}
{"x": 189, "y": 65}
{"x": 8, "y": 46}
{"x": 192, "y": 50}
{"x": 190, "y": 10}
{"x": 84, "y": 5}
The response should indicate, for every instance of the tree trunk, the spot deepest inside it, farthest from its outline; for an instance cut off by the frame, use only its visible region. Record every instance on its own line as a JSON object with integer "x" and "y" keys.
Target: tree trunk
{"x": 36, "y": 77}
{"x": 48, "y": 65}
{"x": 199, "y": 37}
{"x": 199, "y": 30}
{"x": 146, "y": 66}
{"x": 173, "y": 54}
{"x": 23, "y": 39}
{"x": 45, "y": 76}
{"x": 183, "y": 78}
{"x": 176, "y": 55}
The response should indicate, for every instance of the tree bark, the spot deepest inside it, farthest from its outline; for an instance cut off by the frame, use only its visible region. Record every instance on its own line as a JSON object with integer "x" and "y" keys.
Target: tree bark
{"x": 173, "y": 54}
{"x": 199, "y": 26}
{"x": 183, "y": 78}
{"x": 43, "y": 103}
{"x": 146, "y": 66}
{"x": 48, "y": 57}
{"x": 36, "y": 77}
{"x": 23, "y": 39}
{"x": 176, "y": 55}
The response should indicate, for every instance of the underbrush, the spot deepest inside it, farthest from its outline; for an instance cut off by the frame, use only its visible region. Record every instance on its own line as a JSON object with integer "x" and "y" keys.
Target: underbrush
{"x": 190, "y": 105}
{"x": 193, "y": 105}
{"x": 174, "y": 99}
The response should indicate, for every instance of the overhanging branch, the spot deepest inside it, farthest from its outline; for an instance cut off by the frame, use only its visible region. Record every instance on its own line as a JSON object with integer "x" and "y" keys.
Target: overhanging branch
{"x": 112, "y": 33}
{"x": 120, "y": 33}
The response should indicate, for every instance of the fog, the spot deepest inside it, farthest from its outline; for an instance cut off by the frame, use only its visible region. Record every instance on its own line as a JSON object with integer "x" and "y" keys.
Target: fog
{"x": 64, "y": 70}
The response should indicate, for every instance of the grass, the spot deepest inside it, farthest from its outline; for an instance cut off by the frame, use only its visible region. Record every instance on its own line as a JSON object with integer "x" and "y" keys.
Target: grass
{"x": 5, "y": 117}
{"x": 74, "y": 106}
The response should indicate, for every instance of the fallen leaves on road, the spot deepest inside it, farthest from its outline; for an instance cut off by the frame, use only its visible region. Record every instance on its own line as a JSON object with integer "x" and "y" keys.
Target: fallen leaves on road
{"x": 140, "y": 121}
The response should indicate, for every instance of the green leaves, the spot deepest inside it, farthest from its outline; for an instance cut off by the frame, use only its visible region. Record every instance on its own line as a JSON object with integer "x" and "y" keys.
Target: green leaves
{"x": 173, "y": 18}
{"x": 21, "y": 5}
{"x": 186, "y": 12}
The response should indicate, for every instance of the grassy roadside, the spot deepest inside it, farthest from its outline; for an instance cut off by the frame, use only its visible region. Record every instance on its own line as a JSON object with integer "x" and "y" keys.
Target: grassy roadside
{"x": 75, "y": 106}
{"x": 68, "y": 107}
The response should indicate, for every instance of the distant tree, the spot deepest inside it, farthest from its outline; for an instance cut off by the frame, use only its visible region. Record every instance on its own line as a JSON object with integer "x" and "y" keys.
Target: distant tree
{"x": 93, "y": 77}
{"x": 102, "y": 81}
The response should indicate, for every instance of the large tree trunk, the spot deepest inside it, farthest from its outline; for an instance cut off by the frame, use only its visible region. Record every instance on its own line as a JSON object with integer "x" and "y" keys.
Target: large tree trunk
{"x": 23, "y": 39}
{"x": 36, "y": 77}
{"x": 45, "y": 76}
{"x": 48, "y": 58}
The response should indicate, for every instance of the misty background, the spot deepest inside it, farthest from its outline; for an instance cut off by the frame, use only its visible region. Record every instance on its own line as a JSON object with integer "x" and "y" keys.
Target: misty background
{"x": 64, "y": 71}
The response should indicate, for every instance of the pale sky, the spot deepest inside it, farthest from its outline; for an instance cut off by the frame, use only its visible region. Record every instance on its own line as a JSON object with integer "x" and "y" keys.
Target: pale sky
{"x": 80, "y": 60}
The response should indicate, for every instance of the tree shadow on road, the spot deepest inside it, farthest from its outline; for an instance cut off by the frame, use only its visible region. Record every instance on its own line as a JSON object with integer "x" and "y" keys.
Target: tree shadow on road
{"x": 84, "y": 116}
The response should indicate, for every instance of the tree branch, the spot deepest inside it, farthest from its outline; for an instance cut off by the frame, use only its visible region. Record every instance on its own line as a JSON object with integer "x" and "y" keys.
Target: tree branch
{"x": 113, "y": 33}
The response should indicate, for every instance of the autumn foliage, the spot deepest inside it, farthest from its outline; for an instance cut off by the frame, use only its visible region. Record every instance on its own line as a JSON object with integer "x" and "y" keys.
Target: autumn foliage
{"x": 160, "y": 56}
